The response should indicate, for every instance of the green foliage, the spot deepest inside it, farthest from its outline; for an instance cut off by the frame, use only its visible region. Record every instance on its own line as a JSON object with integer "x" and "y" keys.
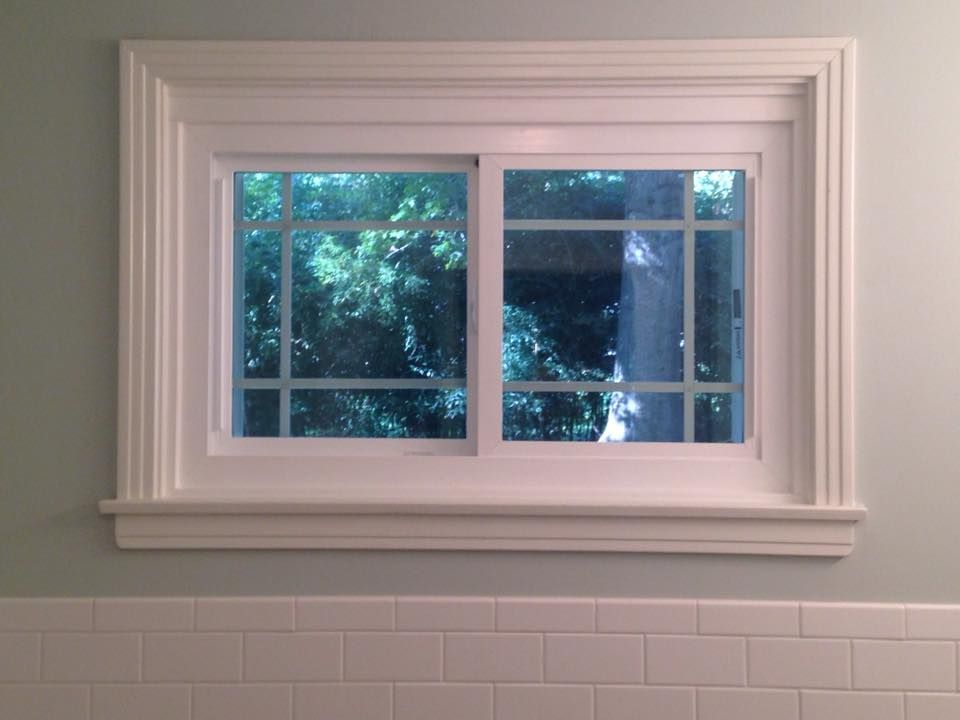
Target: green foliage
{"x": 392, "y": 303}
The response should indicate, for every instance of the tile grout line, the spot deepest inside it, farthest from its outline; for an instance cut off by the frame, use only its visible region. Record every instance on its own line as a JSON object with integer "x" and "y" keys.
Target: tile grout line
{"x": 850, "y": 646}
{"x": 746, "y": 661}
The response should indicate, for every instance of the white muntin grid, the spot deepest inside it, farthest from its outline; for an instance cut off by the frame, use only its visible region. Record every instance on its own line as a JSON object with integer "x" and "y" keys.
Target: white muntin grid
{"x": 689, "y": 386}
{"x": 285, "y": 383}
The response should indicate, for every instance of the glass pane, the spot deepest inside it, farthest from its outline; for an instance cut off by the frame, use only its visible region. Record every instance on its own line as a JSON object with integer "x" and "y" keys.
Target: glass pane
{"x": 719, "y": 306}
{"x": 593, "y": 306}
{"x": 718, "y": 194}
{"x": 260, "y": 253}
{"x": 379, "y": 304}
{"x": 378, "y": 413}
{"x": 593, "y": 416}
{"x": 593, "y": 195}
{"x": 261, "y": 196}
{"x": 718, "y": 417}
{"x": 261, "y": 413}
{"x": 379, "y": 196}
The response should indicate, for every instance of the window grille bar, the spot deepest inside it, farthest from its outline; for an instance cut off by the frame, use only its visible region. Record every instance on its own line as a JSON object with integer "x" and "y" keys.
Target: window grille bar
{"x": 353, "y": 225}
{"x": 352, "y": 383}
{"x": 689, "y": 298}
{"x": 459, "y": 383}
{"x": 622, "y": 225}
{"x": 239, "y": 293}
{"x": 636, "y": 387}
{"x": 286, "y": 302}
{"x": 737, "y": 340}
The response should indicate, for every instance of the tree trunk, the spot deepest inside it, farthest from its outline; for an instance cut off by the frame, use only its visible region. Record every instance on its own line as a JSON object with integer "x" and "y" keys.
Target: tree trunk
{"x": 650, "y": 322}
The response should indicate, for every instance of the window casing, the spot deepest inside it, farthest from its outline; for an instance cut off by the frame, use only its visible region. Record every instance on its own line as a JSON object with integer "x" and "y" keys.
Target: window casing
{"x": 778, "y": 112}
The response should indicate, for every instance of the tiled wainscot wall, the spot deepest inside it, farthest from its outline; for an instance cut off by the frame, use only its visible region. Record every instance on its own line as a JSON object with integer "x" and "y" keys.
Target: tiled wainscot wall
{"x": 410, "y": 658}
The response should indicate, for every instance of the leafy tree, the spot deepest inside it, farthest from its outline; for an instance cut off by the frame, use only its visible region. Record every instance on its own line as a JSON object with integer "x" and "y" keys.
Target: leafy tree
{"x": 391, "y": 303}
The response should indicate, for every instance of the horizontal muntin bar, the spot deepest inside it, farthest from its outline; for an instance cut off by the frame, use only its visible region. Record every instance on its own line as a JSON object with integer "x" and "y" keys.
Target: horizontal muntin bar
{"x": 351, "y": 225}
{"x": 622, "y": 225}
{"x": 350, "y": 383}
{"x": 604, "y": 386}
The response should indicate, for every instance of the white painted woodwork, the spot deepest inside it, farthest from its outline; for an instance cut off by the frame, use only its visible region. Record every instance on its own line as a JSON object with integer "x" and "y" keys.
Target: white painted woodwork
{"x": 781, "y": 110}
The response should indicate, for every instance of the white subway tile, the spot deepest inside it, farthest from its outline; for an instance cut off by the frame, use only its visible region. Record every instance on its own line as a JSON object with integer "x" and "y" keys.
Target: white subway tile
{"x": 345, "y": 613}
{"x": 607, "y": 659}
{"x": 545, "y": 614}
{"x": 443, "y": 700}
{"x": 730, "y": 704}
{"x": 834, "y": 705}
{"x": 19, "y": 657}
{"x": 647, "y": 616}
{"x": 141, "y": 702}
{"x": 356, "y": 701}
{"x": 632, "y": 703}
{"x": 721, "y": 617}
{"x": 904, "y": 665}
{"x": 933, "y": 622}
{"x": 677, "y": 660}
{"x": 143, "y": 614}
{"x": 460, "y": 614}
{"x": 852, "y": 620}
{"x": 796, "y": 663}
{"x": 44, "y": 702}
{"x": 929, "y": 706}
{"x": 89, "y": 657}
{"x": 393, "y": 656}
{"x": 483, "y": 657}
{"x": 292, "y": 657}
{"x": 45, "y": 614}
{"x": 245, "y": 614}
{"x": 230, "y": 702}
{"x": 192, "y": 657}
{"x": 544, "y": 702}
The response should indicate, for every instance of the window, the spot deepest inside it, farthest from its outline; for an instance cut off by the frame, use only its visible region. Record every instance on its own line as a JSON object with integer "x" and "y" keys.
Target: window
{"x": 587, "y": 296}
{"x": 350, "y": 299}
{"x": 351, "y": 305}
{"x": 619, "y": 322}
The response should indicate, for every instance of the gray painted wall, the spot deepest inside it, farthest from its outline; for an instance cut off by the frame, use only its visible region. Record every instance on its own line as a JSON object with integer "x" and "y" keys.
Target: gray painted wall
{"x": 58, "y": 307}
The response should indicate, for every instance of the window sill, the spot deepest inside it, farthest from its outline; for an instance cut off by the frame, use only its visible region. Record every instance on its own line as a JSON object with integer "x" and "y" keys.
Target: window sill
{"x": 739, "y": 529}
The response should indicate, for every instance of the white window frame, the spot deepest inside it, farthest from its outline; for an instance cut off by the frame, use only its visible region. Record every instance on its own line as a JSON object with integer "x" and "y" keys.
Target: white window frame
{"x": 782, "y": 110}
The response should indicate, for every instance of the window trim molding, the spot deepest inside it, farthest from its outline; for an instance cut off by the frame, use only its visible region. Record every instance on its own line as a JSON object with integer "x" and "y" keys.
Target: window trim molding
{"x": 822, "y": 524}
